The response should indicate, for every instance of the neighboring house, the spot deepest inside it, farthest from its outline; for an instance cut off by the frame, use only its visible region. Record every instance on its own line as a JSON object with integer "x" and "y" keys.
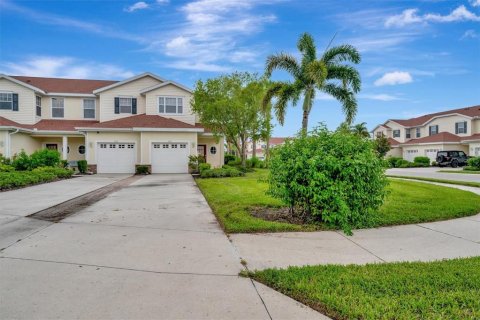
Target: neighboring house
{"x": 114, "y": 125}
{"x": 261, "y": 147}
{"x": 457, "y": 129}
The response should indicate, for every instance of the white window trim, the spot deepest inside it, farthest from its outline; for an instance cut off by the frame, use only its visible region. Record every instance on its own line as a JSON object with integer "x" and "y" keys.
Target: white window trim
{"x": 51, "y": 108}
{"x": 399, "y": 133}
{"x": 38, "y": 105}
{"x": 464, "y": 129}
{"x": 94, "y": 108}
{"x": 11, "y": 100}
{"x": 165, "y": 106}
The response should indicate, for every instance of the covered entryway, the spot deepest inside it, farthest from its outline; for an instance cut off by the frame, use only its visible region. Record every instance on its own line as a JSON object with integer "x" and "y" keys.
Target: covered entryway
{"x": 170, "y": 157}
{"x": 116, "y": 157}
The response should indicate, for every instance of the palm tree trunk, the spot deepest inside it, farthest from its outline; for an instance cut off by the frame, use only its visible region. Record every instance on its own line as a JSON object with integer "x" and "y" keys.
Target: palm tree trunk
{"x": 307, "y": 106}
{"x": 305, "y": 121}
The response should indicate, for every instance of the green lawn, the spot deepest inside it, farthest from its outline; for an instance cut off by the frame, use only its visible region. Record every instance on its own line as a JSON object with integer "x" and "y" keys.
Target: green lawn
{"x": 460, "y": 183}
{"x": 408, "y": 202}
{"x": 460, "y": 171}
{"x": 447, "y": 289}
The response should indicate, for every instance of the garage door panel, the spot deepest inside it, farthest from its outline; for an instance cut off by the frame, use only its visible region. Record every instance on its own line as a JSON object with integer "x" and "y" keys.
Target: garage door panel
{"x": 116, "y": 158}
{"x": 171, "y": 157}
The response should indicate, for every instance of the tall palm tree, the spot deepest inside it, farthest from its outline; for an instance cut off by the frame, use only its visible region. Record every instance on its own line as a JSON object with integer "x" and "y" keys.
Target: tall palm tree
{"x": 361, "y": 130}
{"x": 327, "y": 74}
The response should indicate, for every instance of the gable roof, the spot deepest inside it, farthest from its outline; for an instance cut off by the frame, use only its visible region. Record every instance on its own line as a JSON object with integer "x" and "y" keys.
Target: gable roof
{"x": 47, "y": 125}
{"x": 393, "y": 142}
{"x": 142, "y": 121}
{"x": 14, "y": 80}
{"x": 473, "y": 111}
{"x": 61, "y": 85}
{"x": 119, "y": 83}
{"x": 163, "y": 84}
{"x": 441, "y": 137}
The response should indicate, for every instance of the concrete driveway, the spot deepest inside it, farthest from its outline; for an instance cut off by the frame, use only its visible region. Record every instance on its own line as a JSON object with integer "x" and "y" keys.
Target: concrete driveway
{"x": 152, "y": 250}
{"x": 433, "y": 172}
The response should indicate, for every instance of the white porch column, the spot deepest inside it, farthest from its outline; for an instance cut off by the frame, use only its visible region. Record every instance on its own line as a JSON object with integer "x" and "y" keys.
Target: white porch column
{"x": 64, "y": 147}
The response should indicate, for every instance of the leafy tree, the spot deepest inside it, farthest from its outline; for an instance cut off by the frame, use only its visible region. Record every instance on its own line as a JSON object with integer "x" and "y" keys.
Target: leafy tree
{"x": 326, "y": 74}
{"x": 382, "y": 146}
{"x": 230, "y": 106}
{"x": 361, "y": 130}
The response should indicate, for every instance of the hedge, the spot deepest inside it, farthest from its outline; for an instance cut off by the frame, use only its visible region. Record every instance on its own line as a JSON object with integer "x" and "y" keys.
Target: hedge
{"x": 18, "y": 179}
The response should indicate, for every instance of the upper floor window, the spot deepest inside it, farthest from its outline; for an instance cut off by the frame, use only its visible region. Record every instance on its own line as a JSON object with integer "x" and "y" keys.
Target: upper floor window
{"x": 171, "y": 105}
{"x": 461, "y": 127}
{"x": 126, "y": 105}
{"x": 38, "y": 106}
{"x": 408, "y": 135}
{"x": 417, "y": 133}
{"x": 433, "y": 130}
{"x": 89, "y": 108}
{"x": 396, "y": 133}
{"x": 58, "y": 110}
{"x": 8, "y": 101}
{"x": 379, "y": 134}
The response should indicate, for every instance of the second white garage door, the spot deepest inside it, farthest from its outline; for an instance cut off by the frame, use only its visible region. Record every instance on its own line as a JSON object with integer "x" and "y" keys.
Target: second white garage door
{"x": 171, "y": 157}
{"x": 116, "y": 158}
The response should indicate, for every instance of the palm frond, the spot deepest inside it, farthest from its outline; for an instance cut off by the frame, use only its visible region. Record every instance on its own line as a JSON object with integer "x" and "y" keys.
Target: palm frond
{"x": 346, "y": 98}
{"x": 282, "y": 61}
{"x": 347, "y": 74}
{"x": 306, "y": 45}
{"x": 317, "y": 72}
{"x": 341, "y": 53}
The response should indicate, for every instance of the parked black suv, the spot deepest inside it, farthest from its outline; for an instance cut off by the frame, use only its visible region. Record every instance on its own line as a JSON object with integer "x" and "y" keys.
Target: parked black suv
{"x": 451, "y": 158}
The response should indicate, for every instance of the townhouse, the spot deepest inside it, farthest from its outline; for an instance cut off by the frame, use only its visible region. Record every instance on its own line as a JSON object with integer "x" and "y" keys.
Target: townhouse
{"x": 114, "y": 125}
{"x": 261, "y": 146}
{"x": 457, "y": 129}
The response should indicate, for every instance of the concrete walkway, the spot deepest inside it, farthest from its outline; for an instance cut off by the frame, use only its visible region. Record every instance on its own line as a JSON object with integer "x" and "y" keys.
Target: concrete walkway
{"x": 152, "y": 250}
{"x": 433, "y": 172}
{"x": 419, "y": 242}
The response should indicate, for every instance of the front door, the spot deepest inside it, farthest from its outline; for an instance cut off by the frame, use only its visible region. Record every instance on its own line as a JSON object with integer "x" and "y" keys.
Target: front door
{"x": 202, "y": 150}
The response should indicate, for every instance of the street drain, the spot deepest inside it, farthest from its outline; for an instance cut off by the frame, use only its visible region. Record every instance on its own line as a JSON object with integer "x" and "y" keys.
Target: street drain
{"x": 67, "y": 208}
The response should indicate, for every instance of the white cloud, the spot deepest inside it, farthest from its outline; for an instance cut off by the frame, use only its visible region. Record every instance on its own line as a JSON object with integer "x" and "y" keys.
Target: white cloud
{"x": 65, "y": 67}
{"x": 393, "y": 78}
{"x": 198, "y": 66}
{"x": 379, "y": 97}
{"x": 411, "y": 16}
{"x": 469, "y": 34}
{"x": 377, "y": 42}
{"x": 163, "y": 1}
{"x": 475, "y": 3}
{"x": 323, "y": 96}
{"x": 137, "y": 6}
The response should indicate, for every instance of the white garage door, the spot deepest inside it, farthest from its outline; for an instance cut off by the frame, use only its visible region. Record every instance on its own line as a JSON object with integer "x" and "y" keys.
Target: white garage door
{"x": 410, "y": 155}
{"x": 431, "y": 154}
{"x": 116, "y": 158}
{"x": 171, "y": 157}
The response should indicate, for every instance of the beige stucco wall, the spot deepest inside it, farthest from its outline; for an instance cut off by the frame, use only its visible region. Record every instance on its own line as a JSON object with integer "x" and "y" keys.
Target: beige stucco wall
{"x": 395, "y": 152}
{"x": 441, "y": 147}
{"x": 22, "y": 141}
{"x": 148, "y": 138}
{"x": 173, "y": 91}
{"x": 133, "y": 88}
{"x": 474, "y": 149}
{"x": 26, "y": 103}
{"x": 447, "y": 124}
{"x": 3, "y": 141}
{"x": 475, "y": 126}
{"x": 216, "y": 160}
{"x": 73, "y": 108}
{"x": 94, "y": 138}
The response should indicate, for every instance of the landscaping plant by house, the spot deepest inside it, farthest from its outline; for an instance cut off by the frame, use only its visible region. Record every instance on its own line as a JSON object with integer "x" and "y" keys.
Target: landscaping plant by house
{"x": 333, "y": 177}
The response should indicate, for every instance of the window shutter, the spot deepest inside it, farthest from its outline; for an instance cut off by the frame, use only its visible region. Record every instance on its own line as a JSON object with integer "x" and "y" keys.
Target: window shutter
{"x": 134, "y": 105}
{"x": 465, "y": 126}
{"x": 15, "y": 101}
{"x": 456, "y": 128}
{"x": 430, "y": 130}
{"x": 117, "y": 105}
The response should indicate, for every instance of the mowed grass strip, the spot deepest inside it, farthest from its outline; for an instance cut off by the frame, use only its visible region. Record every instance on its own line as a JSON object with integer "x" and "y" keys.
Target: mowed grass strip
{"x": 460, "y": 171}
{"x": 232, "y": 200}
{"x": 456, "y": 182}
{"x": 447, "y": 289}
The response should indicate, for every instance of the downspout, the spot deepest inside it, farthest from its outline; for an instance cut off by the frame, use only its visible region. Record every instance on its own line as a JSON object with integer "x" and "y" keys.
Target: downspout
{"x": 8, "y": 146}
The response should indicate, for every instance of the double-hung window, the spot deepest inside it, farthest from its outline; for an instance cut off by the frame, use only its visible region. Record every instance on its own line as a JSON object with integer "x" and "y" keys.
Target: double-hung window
{"x": 89, "y": 108}
{"x": 433, "y": 130}
{"x": 461, "y": 127}
{"x": 396, "y": 133}
{"x": 58, "y": 110}
{"x": 170, "y": 105}
{"x": 408, "y": 135}
{"x": 38, "y": 105}
{"x": 417, "y": 133}
{"x": 6, "y": 101}
{"x": 125, "y": 105}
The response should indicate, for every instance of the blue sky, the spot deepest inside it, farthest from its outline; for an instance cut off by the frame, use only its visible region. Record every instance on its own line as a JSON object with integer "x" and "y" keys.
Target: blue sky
{"x": 417, "y": 56}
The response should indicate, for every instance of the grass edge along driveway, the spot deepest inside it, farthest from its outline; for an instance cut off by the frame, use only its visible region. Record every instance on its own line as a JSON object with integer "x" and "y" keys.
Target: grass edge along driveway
{"x": 232, "y": 199}
{"x": 447, "y": 289}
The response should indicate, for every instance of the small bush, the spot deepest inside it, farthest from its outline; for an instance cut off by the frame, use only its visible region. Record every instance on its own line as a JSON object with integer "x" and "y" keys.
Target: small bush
{"x": 17, "y": 179}
{"x": 470, "y": 168}
{"x": 142, "y": 170}
{"x": 194, "y": 163}
{"x": 434, "y": 164}
{"x": 228, "y": 158}
{"x": 392, "y": 161}
{"x": 423, "y": 160}
{"x": 6, "y": 168}
{"x": 45, "y": 158}
{"x": 334, "y": 177}
{"x": 21, "y": 161}
{"x": 64, "y": 164}
{"x": 204, "y": 166}
{"x": 221, "y": 173}
{"x": 474, "y": 163}
{"x": 4, "y": 160}
{"x": 82, "y": 166}
{"x": 402, "y": 163}
{"x": 235, "y": 162}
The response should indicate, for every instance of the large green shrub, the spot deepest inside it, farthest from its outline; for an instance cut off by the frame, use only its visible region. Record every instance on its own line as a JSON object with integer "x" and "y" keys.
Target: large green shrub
{"x": 334, "y": 177}
{"x": 45, "y": 158}
{"x": 392, "y": 161}
{"x": 474, "y": 163}
{"x": 83, "y": 166}
{"x": 17, "y": 179}
{"x": 22, "y": 161}
{"x": 422, "y": 160}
